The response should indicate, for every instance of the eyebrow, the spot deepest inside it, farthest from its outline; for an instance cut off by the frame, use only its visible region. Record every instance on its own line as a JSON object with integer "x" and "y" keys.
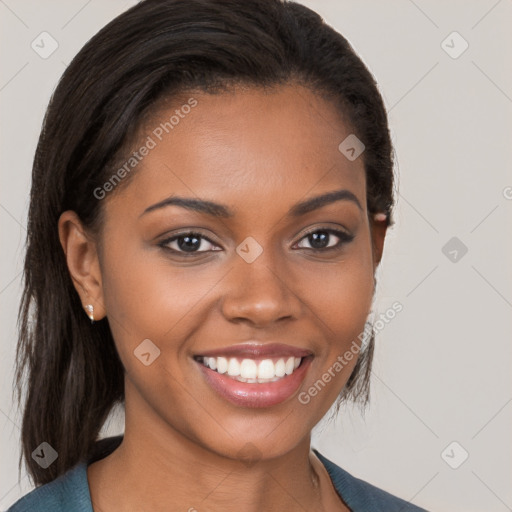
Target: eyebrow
{"x": 223, "y": 211}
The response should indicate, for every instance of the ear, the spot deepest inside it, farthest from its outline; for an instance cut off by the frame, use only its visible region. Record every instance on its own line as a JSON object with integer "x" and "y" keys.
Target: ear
{"x": 81, "y": 253}
{"x": 378, "y": 230}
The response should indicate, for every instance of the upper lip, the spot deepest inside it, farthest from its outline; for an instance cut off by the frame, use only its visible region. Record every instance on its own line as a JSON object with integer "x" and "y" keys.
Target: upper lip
{"x": 257, "y": 350}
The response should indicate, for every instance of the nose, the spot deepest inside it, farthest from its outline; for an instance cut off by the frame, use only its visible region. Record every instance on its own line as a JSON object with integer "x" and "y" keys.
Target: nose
{"x": 260, "y": 293}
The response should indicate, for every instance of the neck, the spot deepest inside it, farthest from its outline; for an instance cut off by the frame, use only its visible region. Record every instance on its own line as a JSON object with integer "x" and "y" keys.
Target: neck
{"x": 157, "y": 468}
{"x": 146, "y": 476}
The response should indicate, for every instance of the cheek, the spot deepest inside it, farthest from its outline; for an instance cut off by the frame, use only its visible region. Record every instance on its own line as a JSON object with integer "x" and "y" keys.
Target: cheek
{"x": 342, "y": 305}
{"x": 342, "y": 293}
{"x": 346, "y": 300}
{"x": 152, "y": 298}
{"x": 147, "y": 296}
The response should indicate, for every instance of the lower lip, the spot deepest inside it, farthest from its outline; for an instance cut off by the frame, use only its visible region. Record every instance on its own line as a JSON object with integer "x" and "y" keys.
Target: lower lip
{"x": 244, "y": 394}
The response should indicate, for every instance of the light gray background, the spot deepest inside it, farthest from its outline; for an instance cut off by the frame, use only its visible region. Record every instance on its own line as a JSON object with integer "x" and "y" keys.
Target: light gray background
{"x": 443, "y": 365}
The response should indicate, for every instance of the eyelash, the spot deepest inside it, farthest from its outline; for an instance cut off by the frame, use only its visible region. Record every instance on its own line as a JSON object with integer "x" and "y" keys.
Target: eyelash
{"x": 344, "y": 237}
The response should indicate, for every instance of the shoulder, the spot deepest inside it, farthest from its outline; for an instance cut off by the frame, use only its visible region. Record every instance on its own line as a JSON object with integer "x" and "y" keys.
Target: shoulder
{"x": 69, "y": 492}
{"x": 362, "y": 496}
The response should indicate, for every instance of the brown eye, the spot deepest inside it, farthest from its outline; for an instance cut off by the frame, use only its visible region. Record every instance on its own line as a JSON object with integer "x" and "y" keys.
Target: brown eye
{"x": 188, "y": 243}
{"x": 322, "y": 239}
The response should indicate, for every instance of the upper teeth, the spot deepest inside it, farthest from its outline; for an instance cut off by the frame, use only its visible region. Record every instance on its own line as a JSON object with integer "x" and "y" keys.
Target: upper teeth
{"x": 252, "y": 370}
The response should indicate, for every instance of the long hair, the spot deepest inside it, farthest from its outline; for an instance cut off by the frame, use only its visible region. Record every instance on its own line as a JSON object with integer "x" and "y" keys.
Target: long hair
{"x": 155, "y": 50}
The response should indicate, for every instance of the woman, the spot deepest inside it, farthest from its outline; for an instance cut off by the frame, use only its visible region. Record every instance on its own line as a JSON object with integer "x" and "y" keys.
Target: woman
{"x": 210, "y": 197}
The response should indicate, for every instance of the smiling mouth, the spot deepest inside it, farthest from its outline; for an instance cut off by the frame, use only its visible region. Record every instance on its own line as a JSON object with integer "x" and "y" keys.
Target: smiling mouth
{"x": 252, "y": 371}
{"x": 255, "y": 375}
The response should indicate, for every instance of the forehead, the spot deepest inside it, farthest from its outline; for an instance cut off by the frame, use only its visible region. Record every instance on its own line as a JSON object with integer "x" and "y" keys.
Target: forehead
{"x": 244, "y": 148}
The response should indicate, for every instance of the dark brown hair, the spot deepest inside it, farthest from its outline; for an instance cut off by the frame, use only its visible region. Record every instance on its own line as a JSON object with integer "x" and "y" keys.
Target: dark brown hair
{"x": 155, "y": 50}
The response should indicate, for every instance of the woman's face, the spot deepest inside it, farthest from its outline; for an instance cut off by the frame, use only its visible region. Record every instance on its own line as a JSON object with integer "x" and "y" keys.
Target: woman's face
{"x": 247, "y": 278}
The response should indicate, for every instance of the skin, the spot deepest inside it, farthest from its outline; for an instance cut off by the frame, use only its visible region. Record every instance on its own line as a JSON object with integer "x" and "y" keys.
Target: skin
{"x": 259, "y": 153}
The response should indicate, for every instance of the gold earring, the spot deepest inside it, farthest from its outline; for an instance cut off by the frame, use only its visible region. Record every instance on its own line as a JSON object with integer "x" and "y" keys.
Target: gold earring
{"x": 90, "y": 312}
